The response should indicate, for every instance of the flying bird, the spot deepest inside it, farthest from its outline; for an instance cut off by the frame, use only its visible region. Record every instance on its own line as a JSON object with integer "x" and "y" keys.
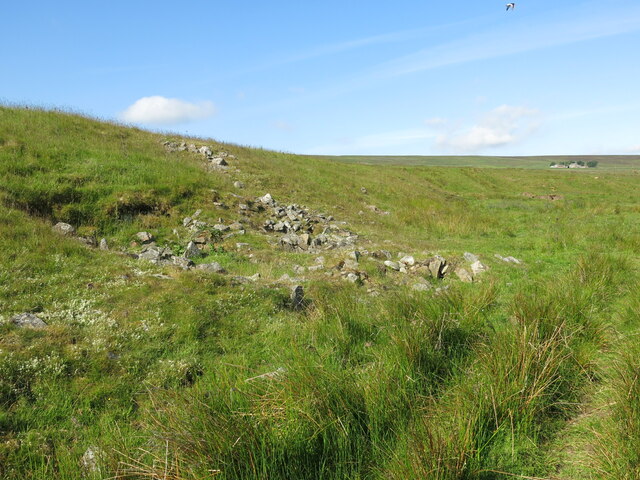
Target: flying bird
{"x": 511, "y": 6}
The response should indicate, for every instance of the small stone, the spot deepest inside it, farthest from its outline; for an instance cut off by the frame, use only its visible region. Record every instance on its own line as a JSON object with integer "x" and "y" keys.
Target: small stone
{"x": 182, "y": 262}
{"x": 438, "y": 267}
{"x": 297, "y": 297}
{"x": 478, "y": 267}
{"x": 267, "y": 199}
{"x": 144, "y": 237}
{"x": 28, "y": 320}
{"x": 238, "y": 184}
{"x": 508, "y": 259}
{"x": 91, "y": 460}
{"x": 221, "y": 228}
{"x": 192, "y": 251}
{"x": 392, "y": 265}
{"x": 187, "y": 221}
{"x": 464, "y": 275}
{"x": 352, "y": 277}
{"x": 213, "y": 267}
{"x": 219, "y": 161}
{"x": 255, "y": 277}
{"x": 408, "y": 260}
{"x": 205, "y": 150}
{"x": 363, "y": 190}
{"x": 241, "y": 245}
{"x": 304, "y": 240}
{"x": 64, "y": 228}
{"x": 103, "y": 244}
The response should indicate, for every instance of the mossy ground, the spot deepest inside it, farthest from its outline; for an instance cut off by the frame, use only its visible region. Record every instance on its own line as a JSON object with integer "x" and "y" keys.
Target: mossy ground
{"x": 486, "y": 381}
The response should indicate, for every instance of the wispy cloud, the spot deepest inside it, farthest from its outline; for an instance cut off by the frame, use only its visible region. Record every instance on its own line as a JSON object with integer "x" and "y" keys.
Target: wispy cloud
{"x": 356, "y": 43}
{"x": 502, "y": 126}
{"x": 521, "y": 36}
{"x": 282, "y": 126}
{"x": 378, "y": 142}
{"x": 166, "y": 111}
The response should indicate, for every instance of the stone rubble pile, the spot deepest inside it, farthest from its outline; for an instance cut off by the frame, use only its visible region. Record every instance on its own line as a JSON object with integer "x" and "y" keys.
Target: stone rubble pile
{"x": 303, "y": 230}
{"x": 218, "y": 159}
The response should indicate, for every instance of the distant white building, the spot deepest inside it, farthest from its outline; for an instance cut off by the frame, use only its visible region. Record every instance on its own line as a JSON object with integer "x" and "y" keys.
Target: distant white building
{"x": 567, "y": 165}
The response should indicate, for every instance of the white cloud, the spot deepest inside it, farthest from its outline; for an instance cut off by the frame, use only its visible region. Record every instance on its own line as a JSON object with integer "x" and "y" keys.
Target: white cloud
{"x": 166, "y": 111}
{"x": 282, "y": 125}
{"x": 501, "y": 126}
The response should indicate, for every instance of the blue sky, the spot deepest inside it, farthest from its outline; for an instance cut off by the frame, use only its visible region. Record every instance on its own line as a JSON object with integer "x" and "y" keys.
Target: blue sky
{"x": 340, "y": 77}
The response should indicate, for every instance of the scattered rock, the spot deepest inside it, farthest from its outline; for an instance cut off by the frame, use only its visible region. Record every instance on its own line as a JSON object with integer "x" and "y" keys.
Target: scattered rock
{"x": 463, "y": 274}
{"x": 508, "y": 259}
{"x": 363, "y": 190}
{"x": 221, "y": 228}
{"x": 214, "y": 267}
{"x": 438, "y": 267}
{"x": 297, "y": 297}
{"x": 218, "y": 162}
{"x": 238, "y": 184}
{"x": 155, "y": 254}
{"x": 392, "y": 265}
{"x": 352, "y": 277}
{"x": 267, "y": 199}
{"x": 27, "y": 320}
{"x": 478, "y": 267}
{"x": 192, "y": 251}
{"x": 408, "y": 260}
{"x": 182, "y": 262}
{"x": 205, "y": 150}
{"x": 103, "y": 244}
{"x": 64, "y": 229}
{"x": 91, "y": 460}
{"x": 144, "y": 237}
{"x": 375, "y": 209}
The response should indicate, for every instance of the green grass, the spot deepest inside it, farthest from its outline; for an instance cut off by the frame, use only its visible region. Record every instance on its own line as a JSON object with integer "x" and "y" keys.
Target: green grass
{"x": 163, "y": 375}
{"x": 605, "y": 162}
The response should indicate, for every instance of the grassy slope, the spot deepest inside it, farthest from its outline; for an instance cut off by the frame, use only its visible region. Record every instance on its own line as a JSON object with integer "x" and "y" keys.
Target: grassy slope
{"x": 153, "y": 371}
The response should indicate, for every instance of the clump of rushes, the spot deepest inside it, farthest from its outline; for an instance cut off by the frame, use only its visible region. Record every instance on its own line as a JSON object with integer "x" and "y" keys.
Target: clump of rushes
{"x": 617, "y": 449}
{"x": 336, "y": 406}
{"x": 524, "y": 380}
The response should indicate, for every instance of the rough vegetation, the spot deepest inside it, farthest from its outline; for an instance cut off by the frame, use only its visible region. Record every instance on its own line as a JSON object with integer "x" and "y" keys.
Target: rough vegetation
{"x": 175, "y": 308}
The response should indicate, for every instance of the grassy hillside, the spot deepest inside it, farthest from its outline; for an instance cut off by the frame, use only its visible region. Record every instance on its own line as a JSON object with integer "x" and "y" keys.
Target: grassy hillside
{"x": 152, "y": 371}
